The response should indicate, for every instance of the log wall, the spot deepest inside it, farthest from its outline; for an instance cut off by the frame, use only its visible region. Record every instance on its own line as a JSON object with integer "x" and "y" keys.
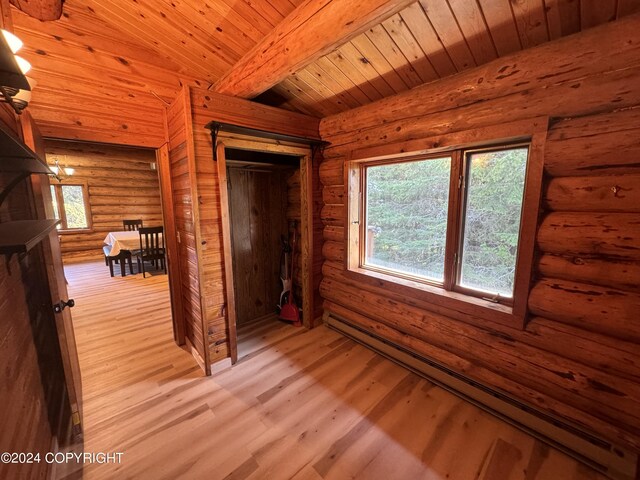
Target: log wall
{"x": 120, "y": 184}
{"x": 578, "y": 356}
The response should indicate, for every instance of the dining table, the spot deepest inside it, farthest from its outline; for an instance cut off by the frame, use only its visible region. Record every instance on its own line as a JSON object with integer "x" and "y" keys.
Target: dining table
{"x": 122, "y": 240}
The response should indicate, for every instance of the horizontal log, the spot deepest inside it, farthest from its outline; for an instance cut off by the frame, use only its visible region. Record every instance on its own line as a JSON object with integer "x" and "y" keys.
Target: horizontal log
{"x": 597, "y": 271}
{"x": 610, "y": 193}
{"x": 333, "y": 251}
{"x": 603, "y": 310}
{"x": 603, "y": 154}
{"x": 126, "y": 210}
{"x": 333, "y": 194}
{"x": 333, "y": 233}
{"x": 333, "y": 215}
{"x": 613, "y": 355}
{"x": 151, "y": 191}
{"x": 585, "y": 96}
{"x": 543, "y": 65}
{"x": 152, "y": 219}
{"x": 128, "y": 200}
{"x": 591, "y": 125}
{"x": 563, "y": 379}
{"x": 332, "y": 172}
{"x": 569, "y": 233}
{"x": 534, "y": 396}
{"x": 586, "y": 347}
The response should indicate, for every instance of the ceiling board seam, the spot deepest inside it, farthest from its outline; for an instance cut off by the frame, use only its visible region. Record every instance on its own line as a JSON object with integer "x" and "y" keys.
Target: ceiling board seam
{"x": 486, "y": 24}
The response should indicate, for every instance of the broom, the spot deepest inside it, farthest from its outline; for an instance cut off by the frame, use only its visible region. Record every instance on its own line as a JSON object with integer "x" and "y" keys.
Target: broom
{"x": 289, "y": 311}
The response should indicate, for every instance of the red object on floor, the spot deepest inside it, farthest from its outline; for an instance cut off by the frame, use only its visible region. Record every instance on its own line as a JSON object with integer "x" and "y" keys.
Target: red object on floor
{"x": 289, "y": 311}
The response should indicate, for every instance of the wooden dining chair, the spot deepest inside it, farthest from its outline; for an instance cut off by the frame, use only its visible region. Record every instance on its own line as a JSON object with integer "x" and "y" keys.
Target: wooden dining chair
{"x": 131, "y": 225}
{"x": 123, "y": 257}
{"x": 151, "y": 248}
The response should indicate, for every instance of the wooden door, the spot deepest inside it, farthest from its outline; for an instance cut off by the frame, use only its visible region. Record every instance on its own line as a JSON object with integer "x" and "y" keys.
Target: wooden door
{"x": 57, "y": 282}
{"x": 257, "y": 207}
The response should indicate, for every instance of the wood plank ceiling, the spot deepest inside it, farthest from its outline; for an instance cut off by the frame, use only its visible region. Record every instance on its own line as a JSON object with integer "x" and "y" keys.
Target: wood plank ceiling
{"x": 106, "y": 67}
{"x": 432, "y": 39}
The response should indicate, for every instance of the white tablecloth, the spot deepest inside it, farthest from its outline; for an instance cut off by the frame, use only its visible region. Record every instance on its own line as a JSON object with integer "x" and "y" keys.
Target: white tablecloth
{"x": 119, "y": 241}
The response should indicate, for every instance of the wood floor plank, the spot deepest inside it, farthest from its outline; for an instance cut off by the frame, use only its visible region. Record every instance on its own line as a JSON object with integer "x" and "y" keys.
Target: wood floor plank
{"x": 304, "y": 405}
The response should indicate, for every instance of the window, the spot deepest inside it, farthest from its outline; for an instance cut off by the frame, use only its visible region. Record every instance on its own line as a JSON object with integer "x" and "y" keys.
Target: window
{"x": 70, "y": 206}
{"x": 450, "y": 221}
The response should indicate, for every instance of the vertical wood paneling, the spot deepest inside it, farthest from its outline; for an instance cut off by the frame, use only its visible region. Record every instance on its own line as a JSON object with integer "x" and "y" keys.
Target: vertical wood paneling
{"x": 184, "y": 198}
{"x": 205, "y": 107}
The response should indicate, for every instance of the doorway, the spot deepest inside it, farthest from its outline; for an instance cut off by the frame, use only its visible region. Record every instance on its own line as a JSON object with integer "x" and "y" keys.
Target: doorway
{"x": 264, "y": 192}
{"x": 264, "y": 211}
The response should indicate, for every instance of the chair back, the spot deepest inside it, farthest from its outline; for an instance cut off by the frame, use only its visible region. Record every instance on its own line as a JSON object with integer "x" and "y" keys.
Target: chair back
{"x": 151, "y": 242}
{"x": 132, "y": 225}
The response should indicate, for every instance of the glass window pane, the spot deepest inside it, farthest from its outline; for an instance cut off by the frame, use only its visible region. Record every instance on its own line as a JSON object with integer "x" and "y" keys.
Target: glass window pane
{"x": 406, "y": 217}
{"x": 74, "y": 206}
{"x": 495, "y": 185}
{"x": 54, "y": 202}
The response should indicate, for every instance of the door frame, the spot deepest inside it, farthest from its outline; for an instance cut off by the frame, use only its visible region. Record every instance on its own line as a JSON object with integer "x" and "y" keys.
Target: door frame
{"x": 173, "y": 260}
{"x": 246, "y": 142}
{"x": 41, "y": 191}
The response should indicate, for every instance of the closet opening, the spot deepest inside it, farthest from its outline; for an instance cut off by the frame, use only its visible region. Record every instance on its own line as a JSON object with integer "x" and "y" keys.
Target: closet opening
{"x": 267, "y": 241}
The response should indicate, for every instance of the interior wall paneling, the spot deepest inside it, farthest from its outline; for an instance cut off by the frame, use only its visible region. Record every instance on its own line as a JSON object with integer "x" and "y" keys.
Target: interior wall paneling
{"x": 208, "y": 106}
{"x": 582, "y": 233}
{"x": 187, "y": 229}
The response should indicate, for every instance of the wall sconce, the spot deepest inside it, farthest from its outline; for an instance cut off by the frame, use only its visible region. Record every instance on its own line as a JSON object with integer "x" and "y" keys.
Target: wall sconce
{"x": 15, "y": 86}
{"x": 61, "y": 173}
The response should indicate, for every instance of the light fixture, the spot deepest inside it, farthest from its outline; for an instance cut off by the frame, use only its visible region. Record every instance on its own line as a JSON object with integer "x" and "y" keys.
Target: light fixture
{"x": 60, "y": 173}
{"x": 23, "y": 64}
{"x": 15, "y": 86}
{"x": 23, "y": 97}
{"x": 14, "y": 43}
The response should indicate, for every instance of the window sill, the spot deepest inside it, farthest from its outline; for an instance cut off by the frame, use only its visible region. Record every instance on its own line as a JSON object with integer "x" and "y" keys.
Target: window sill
{"x": 438, "y": 296}
{"x": 71, "y": 231}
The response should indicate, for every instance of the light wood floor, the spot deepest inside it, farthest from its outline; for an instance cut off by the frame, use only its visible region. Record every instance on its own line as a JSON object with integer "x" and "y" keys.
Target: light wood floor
{"x": 300, "y": 404}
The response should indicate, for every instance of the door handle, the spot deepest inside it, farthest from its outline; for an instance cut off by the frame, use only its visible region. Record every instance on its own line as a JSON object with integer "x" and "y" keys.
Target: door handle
{"x": 59, "y": 307}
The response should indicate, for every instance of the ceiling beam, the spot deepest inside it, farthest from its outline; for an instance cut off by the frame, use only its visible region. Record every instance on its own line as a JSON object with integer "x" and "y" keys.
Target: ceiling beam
{"x": 45, "y": 10}
{"x": 312, "y": 30}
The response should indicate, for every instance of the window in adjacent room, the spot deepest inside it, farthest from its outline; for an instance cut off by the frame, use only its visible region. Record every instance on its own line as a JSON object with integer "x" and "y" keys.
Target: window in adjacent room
{"x": 70, "y": 206}
{"x": 449, "y": 220}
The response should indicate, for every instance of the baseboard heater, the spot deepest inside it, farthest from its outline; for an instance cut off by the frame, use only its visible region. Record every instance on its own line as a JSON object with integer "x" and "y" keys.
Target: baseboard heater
{"x": 615, "y": 462}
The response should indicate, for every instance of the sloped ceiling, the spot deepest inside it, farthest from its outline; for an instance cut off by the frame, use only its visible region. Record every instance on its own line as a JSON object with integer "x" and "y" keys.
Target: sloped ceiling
{"x": 107, "y": 67}
{"x": 432, "y": 39}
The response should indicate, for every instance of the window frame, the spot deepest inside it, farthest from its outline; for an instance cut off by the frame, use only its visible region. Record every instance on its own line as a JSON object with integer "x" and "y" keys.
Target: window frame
{"x": 449, "y": 295}
{"x": 57, "y": 187}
